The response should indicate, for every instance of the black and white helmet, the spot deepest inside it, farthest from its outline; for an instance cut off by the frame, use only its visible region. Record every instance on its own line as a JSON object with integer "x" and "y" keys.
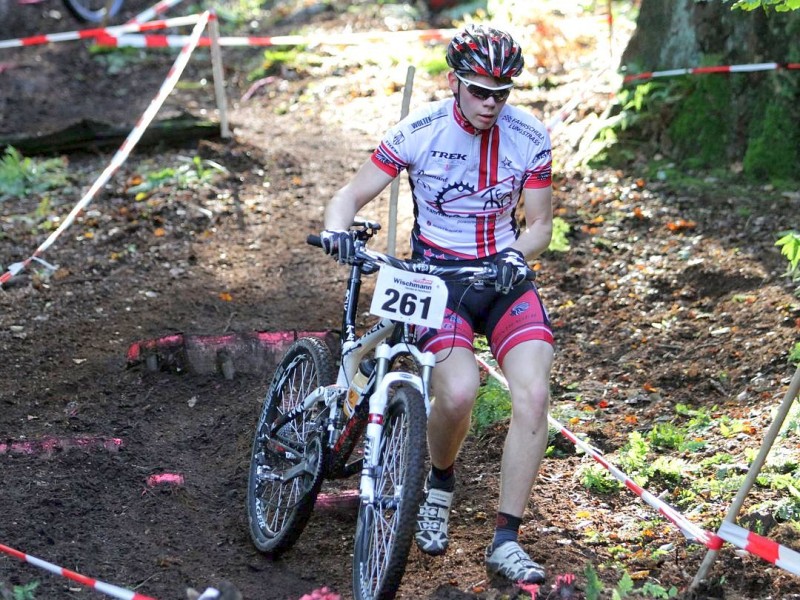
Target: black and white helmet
{"x": 483, "y": 50}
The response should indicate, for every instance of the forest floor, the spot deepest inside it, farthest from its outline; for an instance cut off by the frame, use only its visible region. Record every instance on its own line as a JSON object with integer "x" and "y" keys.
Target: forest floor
{"x": 669, "y": 305}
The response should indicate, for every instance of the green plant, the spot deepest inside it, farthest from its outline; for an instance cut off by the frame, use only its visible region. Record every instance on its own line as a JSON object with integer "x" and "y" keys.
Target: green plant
{"x": 789, "y": 243}
{"x": 778, "y": 5}
{"x": 597, "y": 479}
{"x": 633, "y": 456}
{"x": 274, "y": 60}
{"x": 625, "y": 587}
{"x": 559, "y": 241}
{"x": 117, "y": 60}
{"x": 493, "y": 404}
{"x": 700, "y": 418}
{"x": 25, "y": 592}
{"x": 666, "y": 435}
{"x": 794, "y": 354}
{"x": 193, "y": 172}
{"x": 670, "y": 470}
{"x": 21, "y": 176}
{"x": 434, "y": 62}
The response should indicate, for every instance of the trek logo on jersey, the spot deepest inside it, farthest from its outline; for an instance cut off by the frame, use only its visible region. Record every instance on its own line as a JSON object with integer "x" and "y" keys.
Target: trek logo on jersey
{"x": 520, "y": 308}
{"x": 448, "y": 155}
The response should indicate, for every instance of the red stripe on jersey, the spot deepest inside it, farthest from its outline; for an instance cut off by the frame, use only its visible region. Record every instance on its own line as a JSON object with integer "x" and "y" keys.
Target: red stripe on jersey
{"x": 487, "y": 176}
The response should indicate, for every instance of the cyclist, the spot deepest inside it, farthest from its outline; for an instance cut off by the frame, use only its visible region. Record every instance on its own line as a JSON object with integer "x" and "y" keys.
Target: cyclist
{"x": 470, "y": 160}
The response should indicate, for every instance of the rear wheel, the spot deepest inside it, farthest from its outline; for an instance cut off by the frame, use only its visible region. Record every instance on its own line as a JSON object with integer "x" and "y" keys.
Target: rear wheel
{"x": 93, "y": 11}
{"x": 286, "y": 465}
{"x": 386, "y": 526}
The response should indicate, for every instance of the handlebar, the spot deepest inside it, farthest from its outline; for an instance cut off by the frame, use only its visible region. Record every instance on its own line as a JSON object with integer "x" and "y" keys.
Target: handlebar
{"x": 371, "y": 261}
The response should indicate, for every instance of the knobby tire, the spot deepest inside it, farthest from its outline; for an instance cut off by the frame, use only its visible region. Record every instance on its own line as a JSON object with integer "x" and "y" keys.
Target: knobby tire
{"x": 277, "y": 510}
{"x": 386, "y": 527}
{"x": 93, "y": 11}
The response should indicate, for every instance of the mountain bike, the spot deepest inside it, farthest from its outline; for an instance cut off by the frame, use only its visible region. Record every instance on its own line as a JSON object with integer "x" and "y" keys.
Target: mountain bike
{"x": 93, "y": 11}
{"x": 316, "y": 414}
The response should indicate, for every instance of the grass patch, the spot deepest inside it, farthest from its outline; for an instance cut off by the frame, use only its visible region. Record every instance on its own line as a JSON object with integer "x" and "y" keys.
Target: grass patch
{"x": 23, "y": 176}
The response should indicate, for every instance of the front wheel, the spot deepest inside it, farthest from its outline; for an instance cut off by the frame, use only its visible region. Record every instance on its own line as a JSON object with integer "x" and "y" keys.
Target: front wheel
{"x": 288, "y": 456}
{"x": 386, "y": 526}
{"x": 93, "y": 11}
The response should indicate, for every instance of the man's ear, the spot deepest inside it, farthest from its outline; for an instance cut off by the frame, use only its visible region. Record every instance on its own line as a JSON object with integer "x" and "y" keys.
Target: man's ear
{"x": 452, "y": 80}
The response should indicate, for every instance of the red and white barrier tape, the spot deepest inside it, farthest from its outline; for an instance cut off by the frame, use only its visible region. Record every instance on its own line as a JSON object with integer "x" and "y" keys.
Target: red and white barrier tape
{"x": 349, "y": 39}
{"x": 98, "y": 31}
{"x": 124, "y": 150}
{"x": 746, "y": 68}
{"x": 772, "y": 552}
{"x": 106, "y": 588}
{"x": 689, "y": 529}
{"x": 154, "y": 11}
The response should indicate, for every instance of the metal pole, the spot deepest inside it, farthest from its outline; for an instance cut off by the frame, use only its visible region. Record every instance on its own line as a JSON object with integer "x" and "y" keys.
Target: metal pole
{"x": 752, "y": 473}
{"x": 394, "y": 191}
{"x": 219, "y": 77}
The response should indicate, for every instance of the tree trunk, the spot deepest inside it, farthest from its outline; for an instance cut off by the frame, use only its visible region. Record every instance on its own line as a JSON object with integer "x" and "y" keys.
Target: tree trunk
{"x": 749, "y": 118}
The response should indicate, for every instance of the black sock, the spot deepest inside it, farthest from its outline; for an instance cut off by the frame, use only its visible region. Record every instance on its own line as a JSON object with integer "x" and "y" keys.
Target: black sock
{"x": 442, "y": 479}
{"x": 506, "y": 529}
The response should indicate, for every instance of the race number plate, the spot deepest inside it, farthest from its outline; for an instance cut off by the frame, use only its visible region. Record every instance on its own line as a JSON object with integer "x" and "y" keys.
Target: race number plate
{"x": 409, "y": 297}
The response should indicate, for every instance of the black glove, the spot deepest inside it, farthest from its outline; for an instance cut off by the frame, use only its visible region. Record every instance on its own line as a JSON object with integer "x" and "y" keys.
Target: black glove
{"x": 511, "y": 269}
{"x": 339, "y": 244}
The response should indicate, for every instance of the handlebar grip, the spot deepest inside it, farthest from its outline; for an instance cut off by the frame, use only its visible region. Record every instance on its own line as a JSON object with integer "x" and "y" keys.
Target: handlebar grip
{"x": 314, "y": 240}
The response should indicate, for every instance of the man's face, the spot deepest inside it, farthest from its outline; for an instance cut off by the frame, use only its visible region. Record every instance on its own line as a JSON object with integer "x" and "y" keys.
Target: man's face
{"x": 482, "y": 98}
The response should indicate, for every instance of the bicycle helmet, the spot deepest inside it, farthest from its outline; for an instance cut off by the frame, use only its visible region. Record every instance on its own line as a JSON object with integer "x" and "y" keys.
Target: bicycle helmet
{"x": 483, "y": 50}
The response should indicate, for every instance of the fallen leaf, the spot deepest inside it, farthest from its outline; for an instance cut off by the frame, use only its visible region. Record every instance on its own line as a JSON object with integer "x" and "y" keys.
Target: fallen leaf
{"x": 159, "y": 232}
{"x": 225, "y": 297}
{"x": 680, "y": 225}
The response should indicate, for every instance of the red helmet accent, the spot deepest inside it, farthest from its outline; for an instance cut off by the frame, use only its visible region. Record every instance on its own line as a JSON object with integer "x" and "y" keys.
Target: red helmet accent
{"x": 483, "y": 50}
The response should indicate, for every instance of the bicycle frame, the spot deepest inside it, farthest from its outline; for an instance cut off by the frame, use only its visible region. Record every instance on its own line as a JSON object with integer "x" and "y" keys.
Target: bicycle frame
{"x": 354, "y": 349}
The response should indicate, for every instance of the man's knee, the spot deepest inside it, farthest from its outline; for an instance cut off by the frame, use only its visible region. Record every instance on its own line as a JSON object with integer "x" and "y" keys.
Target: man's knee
{"x": 531, "y": 404}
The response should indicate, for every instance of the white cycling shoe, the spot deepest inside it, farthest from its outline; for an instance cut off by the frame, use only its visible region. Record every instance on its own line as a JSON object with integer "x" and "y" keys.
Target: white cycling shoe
{"x": 511, "y": 562}
{"x": 434, "y": 513}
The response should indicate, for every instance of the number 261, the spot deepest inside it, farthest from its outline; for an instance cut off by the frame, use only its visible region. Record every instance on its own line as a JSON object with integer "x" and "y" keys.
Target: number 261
{"x": 405, "y": 304}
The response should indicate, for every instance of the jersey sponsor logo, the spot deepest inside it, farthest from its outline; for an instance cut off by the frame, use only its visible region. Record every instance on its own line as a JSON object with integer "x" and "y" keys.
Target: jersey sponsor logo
{"x": 382, "y": 156}
{"x": 398, "y": 139}
{"x": 424, "y": 122}
{"x": 459, "y": 199}
{"x": 451, "y": 322}
{"x": 425, "y": 285}
{"x": 542, "y": 154}
{"x": 523, "y": 128}
{"x": 519, "y": 309}
{"x": 449, "y": 155}
{"x": 421, "y": 174}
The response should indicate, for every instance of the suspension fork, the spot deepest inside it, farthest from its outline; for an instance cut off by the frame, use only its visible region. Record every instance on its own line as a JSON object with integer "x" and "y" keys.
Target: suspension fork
{"x": 377, "y": 407}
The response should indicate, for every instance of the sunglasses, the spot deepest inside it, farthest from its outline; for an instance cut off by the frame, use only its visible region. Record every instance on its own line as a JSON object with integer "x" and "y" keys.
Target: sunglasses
{"x": 481, "y": 92}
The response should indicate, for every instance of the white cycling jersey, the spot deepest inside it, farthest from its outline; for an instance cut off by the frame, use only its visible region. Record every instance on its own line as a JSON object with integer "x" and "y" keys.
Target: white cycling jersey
{"x": 466, "y": 182}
